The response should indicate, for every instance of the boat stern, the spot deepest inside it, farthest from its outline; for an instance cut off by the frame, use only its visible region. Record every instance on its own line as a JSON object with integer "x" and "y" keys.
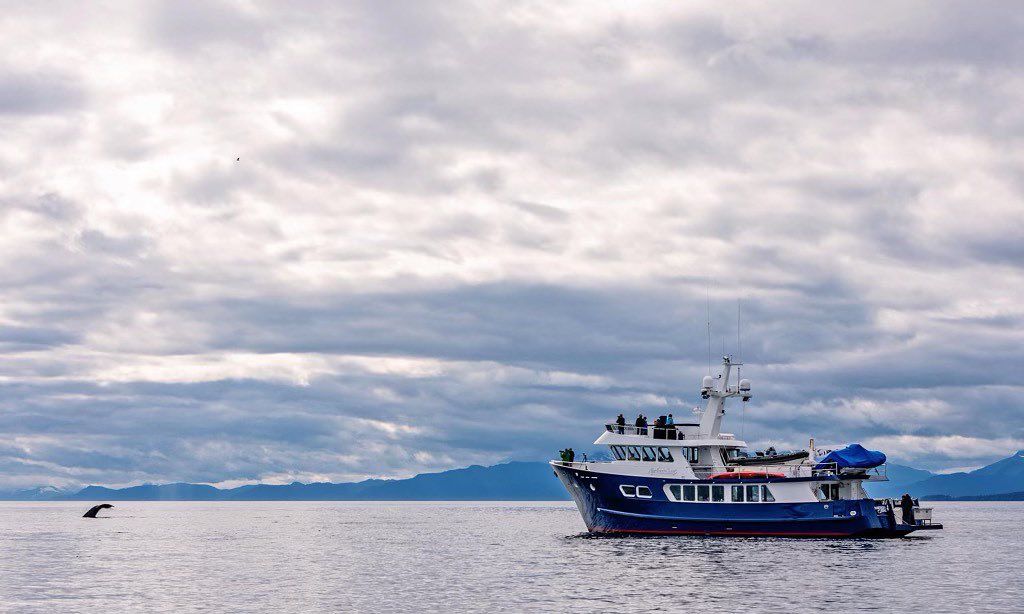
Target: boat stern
{"x": 894, "y": 523}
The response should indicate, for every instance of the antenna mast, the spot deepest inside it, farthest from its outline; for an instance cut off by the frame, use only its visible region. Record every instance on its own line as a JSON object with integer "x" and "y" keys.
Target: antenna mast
{"x": 739, "y": 360}
{"x": 708, "y": 304}
{"x": 739, "y": 339}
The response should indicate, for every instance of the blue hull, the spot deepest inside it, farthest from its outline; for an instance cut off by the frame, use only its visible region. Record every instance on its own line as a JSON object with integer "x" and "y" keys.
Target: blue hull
{"x": 606, "y": 511}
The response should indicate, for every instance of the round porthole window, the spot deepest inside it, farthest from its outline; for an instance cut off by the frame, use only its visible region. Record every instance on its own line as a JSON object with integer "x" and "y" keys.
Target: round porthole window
{"x": 853, "y": 512}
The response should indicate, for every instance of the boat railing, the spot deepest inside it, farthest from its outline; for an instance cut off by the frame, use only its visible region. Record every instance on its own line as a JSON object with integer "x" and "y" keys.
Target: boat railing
{"x": 824, "y": 470}
{"x": 892, "y": 507}
{"x": 670, "y": 431}
{"x": 703, "y": 472}
{"x": 577, "y": 464}
{"x": 878, "y": 474}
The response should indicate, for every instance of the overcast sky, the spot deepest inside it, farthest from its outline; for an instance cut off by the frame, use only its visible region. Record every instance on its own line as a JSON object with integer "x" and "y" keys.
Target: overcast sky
{"x": 474, "y": 232}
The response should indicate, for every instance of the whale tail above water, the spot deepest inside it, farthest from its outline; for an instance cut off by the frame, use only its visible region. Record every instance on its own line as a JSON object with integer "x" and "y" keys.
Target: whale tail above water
{"x": 95, "y": 510}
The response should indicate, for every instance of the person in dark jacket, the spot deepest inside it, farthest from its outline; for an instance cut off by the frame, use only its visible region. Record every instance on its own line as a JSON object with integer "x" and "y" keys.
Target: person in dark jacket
{"x": 621, "y": 421}
{"x": 907, "y": 505}
{"x": 659, "y": 427}
{"x": 572, "y": 454}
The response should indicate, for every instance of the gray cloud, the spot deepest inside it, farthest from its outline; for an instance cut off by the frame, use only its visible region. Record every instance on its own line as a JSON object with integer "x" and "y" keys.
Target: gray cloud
{"x": 190, "y": 26}
{"x": 469, "y": 233}
{"x": 39, "y": 92}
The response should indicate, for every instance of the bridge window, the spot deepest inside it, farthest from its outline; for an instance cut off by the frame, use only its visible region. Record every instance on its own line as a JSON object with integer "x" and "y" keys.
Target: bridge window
{"x": 753, "y": 493}
{"x": 643, "y": 492}
{"x": 691, "y": 454}
{"x": 627, "y": 491}
{"x": 688, "y": 492}
{"x": 830, "y": 492}
{"x": 644, "y": 453}
{"x": 717, "y": 492}
{"x": 737, "y": 494}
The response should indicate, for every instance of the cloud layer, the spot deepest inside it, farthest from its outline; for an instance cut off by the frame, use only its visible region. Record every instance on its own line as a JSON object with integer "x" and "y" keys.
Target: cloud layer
{"x": 471, "y": 232}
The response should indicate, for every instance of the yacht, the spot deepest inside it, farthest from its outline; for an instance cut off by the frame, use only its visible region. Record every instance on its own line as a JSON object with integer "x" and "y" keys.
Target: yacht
{"x": 689, "y": 478}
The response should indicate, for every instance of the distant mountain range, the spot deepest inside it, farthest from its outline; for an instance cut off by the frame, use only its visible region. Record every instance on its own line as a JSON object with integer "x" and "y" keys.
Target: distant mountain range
{"x": 1001, "y": 481}
{"x": 515, "y": 481}
{"x": 521, "y": 481}
{"x": 1009, "y": 496}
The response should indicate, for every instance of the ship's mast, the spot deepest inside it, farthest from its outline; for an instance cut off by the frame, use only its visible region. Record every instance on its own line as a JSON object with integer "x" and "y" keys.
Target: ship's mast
{"x": 716, "y": 391}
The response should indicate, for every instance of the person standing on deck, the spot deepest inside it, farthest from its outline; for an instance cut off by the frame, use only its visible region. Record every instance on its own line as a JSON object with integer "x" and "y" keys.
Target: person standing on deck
{"x": 907, "y": 505}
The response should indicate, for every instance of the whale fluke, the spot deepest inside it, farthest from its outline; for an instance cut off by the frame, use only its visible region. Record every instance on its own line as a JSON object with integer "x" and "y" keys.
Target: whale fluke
{"x": 95, "y": 510}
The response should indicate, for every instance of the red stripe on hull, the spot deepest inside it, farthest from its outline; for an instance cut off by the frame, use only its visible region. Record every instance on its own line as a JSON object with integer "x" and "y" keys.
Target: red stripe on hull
{"x": 736, "y": 533}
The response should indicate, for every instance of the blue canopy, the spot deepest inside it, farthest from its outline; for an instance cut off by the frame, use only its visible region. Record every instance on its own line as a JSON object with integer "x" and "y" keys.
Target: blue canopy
{"x": 852, "y": 456}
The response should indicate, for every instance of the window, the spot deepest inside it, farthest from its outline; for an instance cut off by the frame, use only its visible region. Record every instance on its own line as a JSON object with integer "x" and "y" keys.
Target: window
{"x": 702, "y": 493}
{"x": 751, "y": 493}
{"x": 830, "y": 492}
{"x": 643, "y": 492}
{"x": 665, "y": 455}
{"x": 648, "y": 453}
{"x": 691, "y": 454}
{"x": 619, "y": 453}
{"x": 627, "y": 491}
{"x": 634, "y": 454}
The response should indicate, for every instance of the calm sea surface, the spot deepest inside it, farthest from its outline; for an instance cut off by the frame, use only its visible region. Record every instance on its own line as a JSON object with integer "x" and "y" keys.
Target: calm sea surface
{"x": 496, "y": 557}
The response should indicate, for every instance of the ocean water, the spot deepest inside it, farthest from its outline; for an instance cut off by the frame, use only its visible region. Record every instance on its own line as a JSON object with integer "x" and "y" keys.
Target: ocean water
{"x": 481, "y": 557}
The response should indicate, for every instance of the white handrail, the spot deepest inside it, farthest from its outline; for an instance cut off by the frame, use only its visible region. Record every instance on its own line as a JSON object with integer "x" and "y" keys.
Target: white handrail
{"x": 670, "y": 431}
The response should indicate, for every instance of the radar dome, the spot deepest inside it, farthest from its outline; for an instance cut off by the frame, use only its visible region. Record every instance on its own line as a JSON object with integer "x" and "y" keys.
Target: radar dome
{"x": 707, "y": 382}
{"x": 744, "y": 384}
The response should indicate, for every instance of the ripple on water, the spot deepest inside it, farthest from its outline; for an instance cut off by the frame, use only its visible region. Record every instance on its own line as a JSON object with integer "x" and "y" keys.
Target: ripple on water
{"x": 364, "y": 556}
